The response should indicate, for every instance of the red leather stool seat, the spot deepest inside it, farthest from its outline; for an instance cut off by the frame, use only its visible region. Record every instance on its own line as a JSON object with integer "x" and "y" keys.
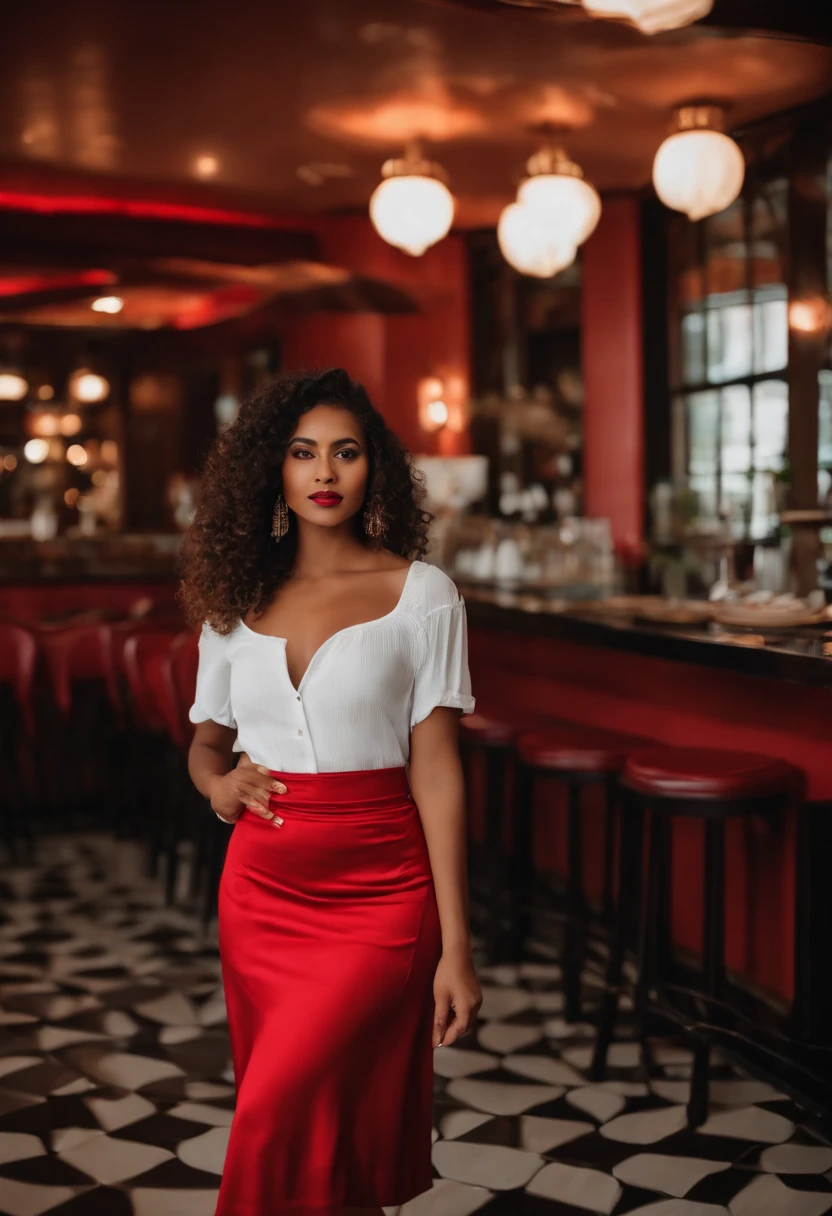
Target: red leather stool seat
{"x": 496, "y": 728}
{"x": 708, "y": 773}
{"x": 577, "y": 749}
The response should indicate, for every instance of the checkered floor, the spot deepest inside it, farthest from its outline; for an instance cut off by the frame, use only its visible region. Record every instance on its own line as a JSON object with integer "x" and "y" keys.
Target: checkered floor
{"x": 116, "y": 1088}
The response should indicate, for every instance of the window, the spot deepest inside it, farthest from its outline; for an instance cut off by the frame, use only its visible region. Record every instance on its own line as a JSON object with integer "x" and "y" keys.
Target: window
{"x": 729, "y": 360}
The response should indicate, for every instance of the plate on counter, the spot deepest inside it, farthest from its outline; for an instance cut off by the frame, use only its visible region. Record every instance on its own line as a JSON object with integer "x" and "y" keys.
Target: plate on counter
{"x": 676, "y": 612}
{"x": 763, "y": 616}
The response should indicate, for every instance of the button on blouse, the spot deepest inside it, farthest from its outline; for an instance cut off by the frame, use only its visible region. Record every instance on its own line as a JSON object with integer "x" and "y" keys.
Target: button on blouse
{"x": 364, "y": 690}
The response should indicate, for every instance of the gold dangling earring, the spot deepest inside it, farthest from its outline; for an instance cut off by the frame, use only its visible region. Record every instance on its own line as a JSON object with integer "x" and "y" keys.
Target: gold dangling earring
{"x": 374, "y": 523}
{"x": 280, "y": 518}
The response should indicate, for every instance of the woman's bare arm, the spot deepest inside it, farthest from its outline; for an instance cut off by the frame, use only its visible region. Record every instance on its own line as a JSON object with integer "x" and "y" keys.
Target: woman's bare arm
{"x": 210, "y": 755}
{"x": 228, "y": 789}
{"x": 438, "y": 788}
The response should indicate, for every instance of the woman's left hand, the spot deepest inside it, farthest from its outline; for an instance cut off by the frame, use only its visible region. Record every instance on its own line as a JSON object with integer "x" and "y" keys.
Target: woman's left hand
{"x": 457, "y": 994}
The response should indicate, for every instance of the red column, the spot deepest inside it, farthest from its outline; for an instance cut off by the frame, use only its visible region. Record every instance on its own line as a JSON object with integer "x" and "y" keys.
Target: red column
{"x": 611, "y": 336}
{"x": 391, "y": 354}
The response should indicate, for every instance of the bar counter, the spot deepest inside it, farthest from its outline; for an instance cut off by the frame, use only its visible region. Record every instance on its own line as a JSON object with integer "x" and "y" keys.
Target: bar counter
{"x": 687, "y": 686}
{"x": 796, "y": 655}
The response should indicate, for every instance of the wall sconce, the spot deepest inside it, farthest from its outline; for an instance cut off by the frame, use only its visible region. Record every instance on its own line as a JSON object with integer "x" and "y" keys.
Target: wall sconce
{"x": 810, "y": 315}
{"x": 433, "y": 408}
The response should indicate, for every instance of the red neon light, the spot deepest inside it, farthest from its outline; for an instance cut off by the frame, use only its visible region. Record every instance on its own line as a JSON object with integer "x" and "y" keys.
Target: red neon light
{"x": 53, "y": 282}
{"x": 49, "y": 204}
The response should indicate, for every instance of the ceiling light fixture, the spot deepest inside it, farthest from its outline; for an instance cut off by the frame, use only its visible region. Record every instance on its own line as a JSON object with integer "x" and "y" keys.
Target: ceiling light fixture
{"x": 651, "y": 16}
{"x": 698, "y": 170}
{"x": 556, "y": 186}
{"x": 555, "y": 212}
{"x": 109, "y": 304}
{"x": 530, "y": 244}
{"x": 412, "y": 208}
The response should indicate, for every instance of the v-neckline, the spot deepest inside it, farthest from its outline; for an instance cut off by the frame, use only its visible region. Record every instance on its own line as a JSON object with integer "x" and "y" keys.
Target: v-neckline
{"x": 274, "y": 637}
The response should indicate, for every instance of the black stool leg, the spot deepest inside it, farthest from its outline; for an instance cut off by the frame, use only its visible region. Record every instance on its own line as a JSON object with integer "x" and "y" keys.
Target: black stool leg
{"x": 522, "y": 878}
{"x": 713, "y": 960}
{"x": 495, "y": 868}
{"x": 663, "y": 936}
{"x": 610, "y": 798}
{"x": 574, "y": 910}
{"x": 654, "y": 950}
{"x": 646, "y": 973}
{"x": 629, "y": 885}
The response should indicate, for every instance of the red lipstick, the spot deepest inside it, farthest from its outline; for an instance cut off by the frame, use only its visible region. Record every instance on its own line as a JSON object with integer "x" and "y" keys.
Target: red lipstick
{"x": 326, "y": 498}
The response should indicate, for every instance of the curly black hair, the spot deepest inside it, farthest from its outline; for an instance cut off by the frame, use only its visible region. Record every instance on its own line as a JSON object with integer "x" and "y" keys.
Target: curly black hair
{"x": 229, "y": 562}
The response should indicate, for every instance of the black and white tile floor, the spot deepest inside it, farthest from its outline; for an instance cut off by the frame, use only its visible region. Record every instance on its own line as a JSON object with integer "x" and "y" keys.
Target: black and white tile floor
{"x": 116, "y": 1089}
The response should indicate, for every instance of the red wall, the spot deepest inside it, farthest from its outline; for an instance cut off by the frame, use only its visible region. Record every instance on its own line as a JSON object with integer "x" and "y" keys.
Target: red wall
{"x": 687, "y": 705}
{"x": 389, "y": 354}
{"x": 611, "y": 356}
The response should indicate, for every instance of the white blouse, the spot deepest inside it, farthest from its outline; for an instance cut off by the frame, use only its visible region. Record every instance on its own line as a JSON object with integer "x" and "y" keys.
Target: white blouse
{"x": 364, "y": 690}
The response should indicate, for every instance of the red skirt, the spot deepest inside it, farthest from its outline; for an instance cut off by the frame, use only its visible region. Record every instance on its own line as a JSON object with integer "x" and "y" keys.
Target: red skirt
{"x": 329, "y": 939}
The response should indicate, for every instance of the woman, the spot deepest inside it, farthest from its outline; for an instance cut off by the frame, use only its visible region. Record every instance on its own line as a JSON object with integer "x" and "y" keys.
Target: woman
{"x": 338, "y": 667}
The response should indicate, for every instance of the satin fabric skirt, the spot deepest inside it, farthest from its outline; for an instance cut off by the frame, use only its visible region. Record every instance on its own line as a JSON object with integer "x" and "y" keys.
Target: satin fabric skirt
{"x": 329, "y": 939}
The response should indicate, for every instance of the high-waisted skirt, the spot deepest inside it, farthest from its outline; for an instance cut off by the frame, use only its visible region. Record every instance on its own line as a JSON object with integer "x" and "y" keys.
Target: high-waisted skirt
{"x": 329, "y": 939}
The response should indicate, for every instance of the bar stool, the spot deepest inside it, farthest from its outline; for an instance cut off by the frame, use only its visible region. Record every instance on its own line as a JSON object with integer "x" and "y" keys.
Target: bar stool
{"x": 491, "y": 732}
{"x": 702, "y": 783}
{"x": 577, "y": 756}
{"x": 18, "y": 659}
{"x": 75, "y": 777}
{"x": 152, "y": 713}
{"x": 208, "y": 837}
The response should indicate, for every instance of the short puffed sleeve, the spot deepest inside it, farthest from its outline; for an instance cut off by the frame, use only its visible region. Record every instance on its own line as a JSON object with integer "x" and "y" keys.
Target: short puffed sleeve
{"x": 213, "y": 680}
{"x": 442, "y": 675}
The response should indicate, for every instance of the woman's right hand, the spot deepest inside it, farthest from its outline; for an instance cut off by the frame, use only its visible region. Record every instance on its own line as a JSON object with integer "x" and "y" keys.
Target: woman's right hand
{"x": 248, "y": 786}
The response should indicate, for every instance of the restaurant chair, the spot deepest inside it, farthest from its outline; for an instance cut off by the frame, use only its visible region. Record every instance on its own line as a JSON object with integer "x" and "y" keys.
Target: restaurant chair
{"x": 489, "y": 735}
{"x": 184, "y": 661}
{"x": 712, "y": 786}
{"x": 76, "y": 733}
{"x": 576, "y": 756}
{"x": 114, "y": 636}
{"x": 209, "y": 837}
{"x": 18, "y": 660}
{"x": 73, "y": 653}
{"x": 154, "y": 720}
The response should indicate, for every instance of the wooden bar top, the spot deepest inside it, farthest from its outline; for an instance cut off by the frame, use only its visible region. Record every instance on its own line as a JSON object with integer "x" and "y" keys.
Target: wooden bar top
{"x": 797, "y": 655}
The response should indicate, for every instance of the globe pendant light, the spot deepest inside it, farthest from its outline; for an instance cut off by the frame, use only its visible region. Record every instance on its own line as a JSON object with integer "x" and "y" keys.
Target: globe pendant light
{"x": 412, "y": 208}
{"x": 556, "y": 186}
{"x": 555, "y": 211}
{"x": 698, "y": 169}
{"x": 651, "y": 16}
{"x": 531, "y": 243}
